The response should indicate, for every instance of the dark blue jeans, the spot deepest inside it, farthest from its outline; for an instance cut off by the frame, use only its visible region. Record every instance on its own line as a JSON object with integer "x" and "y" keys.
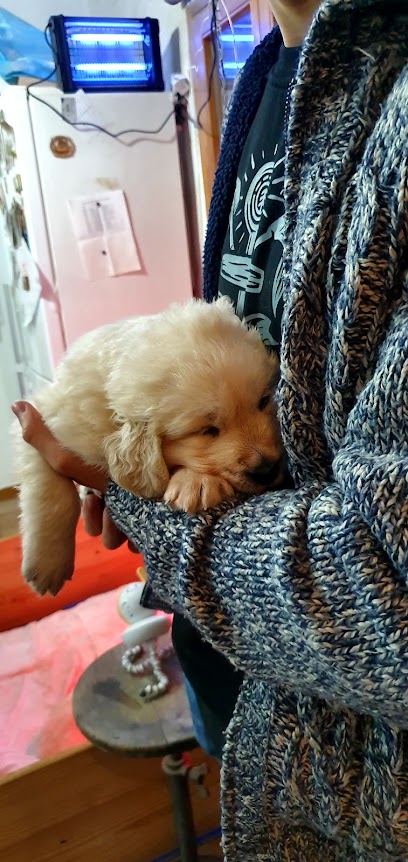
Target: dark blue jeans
{"x": 212, "y": 685}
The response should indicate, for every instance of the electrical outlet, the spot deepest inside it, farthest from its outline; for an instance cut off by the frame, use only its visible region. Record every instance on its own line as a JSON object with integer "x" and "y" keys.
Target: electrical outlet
{"x": 180, "y": 86}
{"x": 69, "y": 109}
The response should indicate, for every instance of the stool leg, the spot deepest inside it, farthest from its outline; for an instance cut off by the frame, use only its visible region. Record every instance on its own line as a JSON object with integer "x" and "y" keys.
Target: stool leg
{"x": 175, "y": 769}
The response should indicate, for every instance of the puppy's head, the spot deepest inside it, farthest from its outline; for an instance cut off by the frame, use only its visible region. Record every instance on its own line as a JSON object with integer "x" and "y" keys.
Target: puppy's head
{"x": 202, "y": 398}
{"x": 217, "y": 413}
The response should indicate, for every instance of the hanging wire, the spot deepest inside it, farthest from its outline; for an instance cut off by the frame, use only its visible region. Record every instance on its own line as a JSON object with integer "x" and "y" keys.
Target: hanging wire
{"x": 232, "y": 28}
{"x": 213, "y": 39}
{"x": 220, "y": 54}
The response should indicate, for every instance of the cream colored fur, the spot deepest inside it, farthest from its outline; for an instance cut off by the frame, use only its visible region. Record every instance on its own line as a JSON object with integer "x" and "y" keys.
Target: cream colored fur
{"x": 169, "y": 406}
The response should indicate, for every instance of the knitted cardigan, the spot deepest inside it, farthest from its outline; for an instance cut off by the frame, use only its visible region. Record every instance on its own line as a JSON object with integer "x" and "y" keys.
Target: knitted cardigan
{"x": 306, "y": 590}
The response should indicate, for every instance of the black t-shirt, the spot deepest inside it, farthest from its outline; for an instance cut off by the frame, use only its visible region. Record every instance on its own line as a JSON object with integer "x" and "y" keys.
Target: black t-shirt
{"x": 251, "y": 276}
{"x": 251, "y": 268}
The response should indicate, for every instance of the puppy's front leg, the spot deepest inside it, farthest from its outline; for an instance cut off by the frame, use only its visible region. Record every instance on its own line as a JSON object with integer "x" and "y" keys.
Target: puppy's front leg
{"x": 193, "y": 492}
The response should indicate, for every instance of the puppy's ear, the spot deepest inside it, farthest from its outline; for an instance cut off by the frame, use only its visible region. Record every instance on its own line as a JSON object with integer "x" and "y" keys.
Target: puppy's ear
{"x": 135, "y": 459}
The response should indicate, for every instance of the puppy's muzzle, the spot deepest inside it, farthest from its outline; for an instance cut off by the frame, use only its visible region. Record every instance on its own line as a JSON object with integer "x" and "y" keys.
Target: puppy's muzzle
{"x": 266, "y": 472}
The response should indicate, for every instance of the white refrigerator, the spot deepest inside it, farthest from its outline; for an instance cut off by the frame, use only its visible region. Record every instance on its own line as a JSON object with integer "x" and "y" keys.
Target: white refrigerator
{"x": 62, "y": 270}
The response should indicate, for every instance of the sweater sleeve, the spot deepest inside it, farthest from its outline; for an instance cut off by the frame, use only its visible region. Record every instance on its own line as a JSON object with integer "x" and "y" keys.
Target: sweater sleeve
{"x": 306, "y": 588}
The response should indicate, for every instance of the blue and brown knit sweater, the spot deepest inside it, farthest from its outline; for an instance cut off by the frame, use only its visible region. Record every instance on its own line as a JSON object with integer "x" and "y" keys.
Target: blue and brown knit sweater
{"x": 306, "y": 590}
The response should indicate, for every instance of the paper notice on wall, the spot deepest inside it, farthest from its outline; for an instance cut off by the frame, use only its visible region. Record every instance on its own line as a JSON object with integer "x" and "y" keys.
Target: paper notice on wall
{"x": 104, "y": 235}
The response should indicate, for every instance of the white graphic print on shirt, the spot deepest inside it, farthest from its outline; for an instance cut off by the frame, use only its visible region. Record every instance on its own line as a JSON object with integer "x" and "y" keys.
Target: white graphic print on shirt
{"x": 256, "y": 193}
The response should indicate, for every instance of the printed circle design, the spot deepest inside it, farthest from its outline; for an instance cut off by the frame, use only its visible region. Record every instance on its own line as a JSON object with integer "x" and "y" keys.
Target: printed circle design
{"x": 256, "y": 194}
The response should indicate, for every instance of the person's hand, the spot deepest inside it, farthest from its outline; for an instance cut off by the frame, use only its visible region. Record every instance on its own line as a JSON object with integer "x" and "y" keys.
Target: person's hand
{"x": 96, "y": 517}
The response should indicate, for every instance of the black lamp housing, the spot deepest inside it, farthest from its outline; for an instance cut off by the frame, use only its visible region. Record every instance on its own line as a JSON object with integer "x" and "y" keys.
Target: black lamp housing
{"x": 106, "y": 54}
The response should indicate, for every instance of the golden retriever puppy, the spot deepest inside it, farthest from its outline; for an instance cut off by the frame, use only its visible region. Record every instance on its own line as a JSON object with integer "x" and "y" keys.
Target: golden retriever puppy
{"x": 177, "y": 406}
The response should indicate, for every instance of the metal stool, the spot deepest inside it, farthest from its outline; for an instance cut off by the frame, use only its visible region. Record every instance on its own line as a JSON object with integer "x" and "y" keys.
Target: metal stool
{"x": 112, "y": 715}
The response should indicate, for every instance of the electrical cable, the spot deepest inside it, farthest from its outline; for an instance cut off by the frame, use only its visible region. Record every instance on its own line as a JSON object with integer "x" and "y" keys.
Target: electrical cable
{"x": 213, "y": 32}
{"x": 86, "y": 126}
{"x": 220, "y": 55}
{"x": 232, "y": 28}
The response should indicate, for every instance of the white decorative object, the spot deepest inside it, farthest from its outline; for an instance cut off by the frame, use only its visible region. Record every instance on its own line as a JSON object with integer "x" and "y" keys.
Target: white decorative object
{"x": 141, "y": 655}
{"x": 129, "y": 606}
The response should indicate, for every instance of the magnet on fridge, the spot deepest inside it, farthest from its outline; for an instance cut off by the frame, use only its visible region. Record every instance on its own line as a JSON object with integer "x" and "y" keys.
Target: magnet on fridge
{"x": 62, "y": 147}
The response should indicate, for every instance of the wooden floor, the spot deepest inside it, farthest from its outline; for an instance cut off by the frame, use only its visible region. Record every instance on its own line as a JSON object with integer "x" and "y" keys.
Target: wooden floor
{"x": 88, "y": 805}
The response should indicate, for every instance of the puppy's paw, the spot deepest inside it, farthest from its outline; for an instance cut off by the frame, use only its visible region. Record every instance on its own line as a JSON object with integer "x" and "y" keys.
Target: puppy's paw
{"x": 214, "y": 489}
{"x": 193, "y": 492}
{"x": 45, "y": 577}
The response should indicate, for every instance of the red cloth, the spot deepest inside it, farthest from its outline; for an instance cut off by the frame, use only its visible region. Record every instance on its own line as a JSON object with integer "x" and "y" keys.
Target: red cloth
{"x": 40, "y": 664}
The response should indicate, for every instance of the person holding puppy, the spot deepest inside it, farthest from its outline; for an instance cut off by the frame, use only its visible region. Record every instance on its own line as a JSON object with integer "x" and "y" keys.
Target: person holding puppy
{"x": 299, "y": 597}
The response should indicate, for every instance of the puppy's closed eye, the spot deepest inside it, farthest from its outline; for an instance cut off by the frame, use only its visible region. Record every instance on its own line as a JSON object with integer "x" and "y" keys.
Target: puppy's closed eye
{"x": 264, "y": 402}
{"x": 211, "y": 431}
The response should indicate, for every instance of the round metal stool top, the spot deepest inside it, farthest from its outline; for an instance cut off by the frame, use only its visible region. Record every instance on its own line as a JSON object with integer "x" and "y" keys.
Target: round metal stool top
{"x": 113, "y": 716}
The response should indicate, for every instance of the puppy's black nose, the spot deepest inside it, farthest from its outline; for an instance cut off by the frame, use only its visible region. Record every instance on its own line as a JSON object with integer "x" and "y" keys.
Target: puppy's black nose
{"x": 265, "y": 472}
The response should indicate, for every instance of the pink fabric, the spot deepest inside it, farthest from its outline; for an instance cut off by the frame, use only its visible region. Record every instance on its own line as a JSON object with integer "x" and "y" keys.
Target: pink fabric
{"x": 40, "y": 664}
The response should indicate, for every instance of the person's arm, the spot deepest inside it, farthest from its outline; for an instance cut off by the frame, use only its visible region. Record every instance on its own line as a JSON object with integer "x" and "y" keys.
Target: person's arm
{"x": 306, "y": 588}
